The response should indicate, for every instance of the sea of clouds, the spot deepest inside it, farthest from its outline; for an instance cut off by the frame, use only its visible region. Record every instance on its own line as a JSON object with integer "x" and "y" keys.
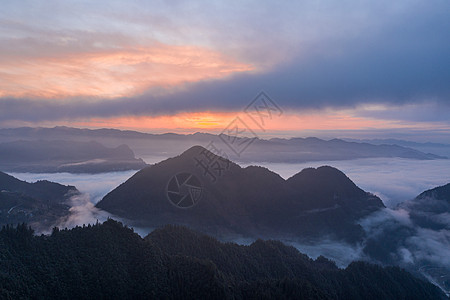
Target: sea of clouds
{"x": 395, "y": 181}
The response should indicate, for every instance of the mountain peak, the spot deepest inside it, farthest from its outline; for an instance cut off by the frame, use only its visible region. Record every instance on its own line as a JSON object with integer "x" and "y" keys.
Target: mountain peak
{"x": 438, "y": 193}
{"x": 202, "y": 158}
{"x": 232, "y": 199}
{"x": 327, "y": 188}
{"x": 195, "y": 150}
{"x": 324, "y": 175}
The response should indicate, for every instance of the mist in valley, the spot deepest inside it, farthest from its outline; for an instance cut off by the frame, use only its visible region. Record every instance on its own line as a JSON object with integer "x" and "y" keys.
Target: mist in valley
{"x": 422, "y": 250}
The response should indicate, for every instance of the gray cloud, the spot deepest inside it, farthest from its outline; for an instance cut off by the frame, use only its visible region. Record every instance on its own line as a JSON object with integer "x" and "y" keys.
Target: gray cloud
{"x": 365, "y": 54}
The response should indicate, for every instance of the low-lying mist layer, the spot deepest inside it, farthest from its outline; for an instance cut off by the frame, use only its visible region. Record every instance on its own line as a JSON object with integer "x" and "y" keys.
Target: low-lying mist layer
{"x": 394, "y": 180}
{"x": 393, "y": 235}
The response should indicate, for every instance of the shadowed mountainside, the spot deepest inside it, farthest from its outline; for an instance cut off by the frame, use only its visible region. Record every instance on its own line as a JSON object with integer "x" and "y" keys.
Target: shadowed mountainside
{"x": 252, "y": 201}
{"x": 66, "y": 156}
{"x": 39, "y": 204}
{"x": 111, "y": 261}
{"x": 431, "y": 209}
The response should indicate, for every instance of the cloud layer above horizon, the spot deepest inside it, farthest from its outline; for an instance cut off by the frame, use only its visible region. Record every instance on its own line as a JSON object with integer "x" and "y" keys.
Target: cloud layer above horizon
{"x": 77, "y": 60}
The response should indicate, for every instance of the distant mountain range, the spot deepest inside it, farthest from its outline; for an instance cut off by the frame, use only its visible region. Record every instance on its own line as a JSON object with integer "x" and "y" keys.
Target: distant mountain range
{"x": 252, "y": 201}
{"x": 110, "y": 261}
{"x": 294, "y": 150}
{"x": 50, "y": 156}
{"x": 442, "y": 149}
{"x": 39, "y": 204}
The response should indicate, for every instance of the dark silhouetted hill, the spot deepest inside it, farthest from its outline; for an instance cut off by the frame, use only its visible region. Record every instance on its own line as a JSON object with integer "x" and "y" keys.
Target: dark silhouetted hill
{"x": 415, "y": 235}
{"x": 66, "y": 156}
{"x": 40, "y": 203}
{"x": 430, "y": 209}
{"x": 109, "y": 261}
{"x": 252, "y": 201}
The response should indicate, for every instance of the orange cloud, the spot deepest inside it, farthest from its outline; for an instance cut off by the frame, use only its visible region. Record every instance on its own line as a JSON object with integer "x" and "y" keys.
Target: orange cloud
{"x": 183, "y": 122}
{"x": 112, "y": 73}
{"x": 215, "y": 122}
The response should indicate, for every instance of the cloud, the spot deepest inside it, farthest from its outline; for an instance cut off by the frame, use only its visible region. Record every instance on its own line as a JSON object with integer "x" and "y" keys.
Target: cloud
{"x": 393, "y": 237}
{"x": 307, "y": 56}
{"x": 111, "y": 73}
{"x": 422, "y": 112}
{"x": 431, "y": 246}
{"x": 398, "y": 217}
{"x": 395, "y": 180}
{"x": 340, "y": 252}
{"x": 95, "y": 186}
{"x": 82, "y": 211}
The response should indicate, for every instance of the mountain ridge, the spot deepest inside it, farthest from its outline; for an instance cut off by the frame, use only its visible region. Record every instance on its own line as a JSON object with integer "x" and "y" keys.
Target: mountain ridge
{"x": 118, "y": 264}
{"x": 52, "y": 156}
{"x": 40, "y": 204}
{"x": 293, "y": 150}
{"x": 244, "y": 200}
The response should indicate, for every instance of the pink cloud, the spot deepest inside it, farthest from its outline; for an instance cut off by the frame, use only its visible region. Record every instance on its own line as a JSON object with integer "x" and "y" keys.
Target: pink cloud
{"x": 113, "y": 72}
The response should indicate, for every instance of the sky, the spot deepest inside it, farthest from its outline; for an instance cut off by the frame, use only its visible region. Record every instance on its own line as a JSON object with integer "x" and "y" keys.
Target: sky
{"x": 359, "y": 69}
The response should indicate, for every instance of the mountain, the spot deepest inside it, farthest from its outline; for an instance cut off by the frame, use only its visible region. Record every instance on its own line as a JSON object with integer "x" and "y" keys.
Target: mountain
{"x": 40, "y": 204}
{"x": 294, "y": 150}
{"x": 415, "y": 235}
{"x": 427, "y": 147}
{"x": 441, "y": 193}
{"x": 66, "y": 156}
{"x": 314, "y": 149}
{"x": 430, "y": 209}
{"x": 110, "y": 261}
{"x": 214, "y": 195}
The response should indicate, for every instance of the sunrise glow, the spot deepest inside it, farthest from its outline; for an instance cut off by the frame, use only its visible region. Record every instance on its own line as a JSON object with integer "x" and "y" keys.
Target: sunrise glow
{"x": 113, "y": 73}
{"x": 199, "y": 66}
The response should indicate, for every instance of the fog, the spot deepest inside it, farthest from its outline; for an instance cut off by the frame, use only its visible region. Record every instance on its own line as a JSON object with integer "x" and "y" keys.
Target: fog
{"x": 394, "y": 180}
{"x": 423, "y": 250}
{"x": 340, "y": 252}
{"x": 398, "y": 241}
{"x": 83, "y": 211}
{"x": 418, "y": 249}
{"x": 95, "y": 186}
